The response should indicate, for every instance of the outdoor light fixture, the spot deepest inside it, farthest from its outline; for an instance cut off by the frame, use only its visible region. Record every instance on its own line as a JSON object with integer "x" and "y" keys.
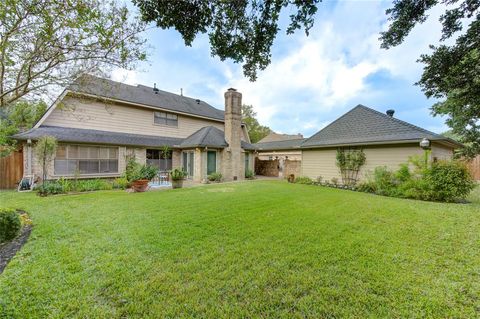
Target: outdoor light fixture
{"x": 425, "y": 143}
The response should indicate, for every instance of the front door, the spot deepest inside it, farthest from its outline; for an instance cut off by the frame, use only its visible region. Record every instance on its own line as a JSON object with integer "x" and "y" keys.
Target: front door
{"x": 211, "y": 162}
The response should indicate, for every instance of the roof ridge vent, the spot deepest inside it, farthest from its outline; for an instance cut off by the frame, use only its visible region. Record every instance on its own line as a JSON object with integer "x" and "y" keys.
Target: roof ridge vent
{"x": 390, "y": 112}
{"x": 198, "y": 101}
{"x": 155, "y": 90}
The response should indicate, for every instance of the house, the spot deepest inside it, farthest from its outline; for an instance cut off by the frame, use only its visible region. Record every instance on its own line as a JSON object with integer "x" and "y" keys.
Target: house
{"x": 99, "y": 123}
{"x": 385, "y": 140}
{"x": 270, "y": 147}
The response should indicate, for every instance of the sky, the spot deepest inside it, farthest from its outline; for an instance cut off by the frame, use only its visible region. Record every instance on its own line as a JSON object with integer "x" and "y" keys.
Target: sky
{"x": 311, "y": 80}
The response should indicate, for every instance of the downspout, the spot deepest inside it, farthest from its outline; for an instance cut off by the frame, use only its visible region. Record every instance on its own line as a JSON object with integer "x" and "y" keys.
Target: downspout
{"x": 29, "y": 157}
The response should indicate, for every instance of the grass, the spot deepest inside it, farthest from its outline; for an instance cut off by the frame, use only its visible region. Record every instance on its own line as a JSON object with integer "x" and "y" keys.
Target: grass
{"x": 253, "y": 249}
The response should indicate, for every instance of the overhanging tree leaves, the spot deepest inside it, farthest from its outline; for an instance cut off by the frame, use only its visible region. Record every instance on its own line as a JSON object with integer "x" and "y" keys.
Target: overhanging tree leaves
{"x": 52, "y": 42}
{"x": 18, "y": 117}
{"x": 255, "y": 131}
{"x": 451, "y": 73}
{"x": 239, "y": 30}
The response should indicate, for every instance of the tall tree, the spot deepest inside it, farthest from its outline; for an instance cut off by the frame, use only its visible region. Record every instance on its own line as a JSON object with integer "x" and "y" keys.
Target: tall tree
{"x": 18, "y": 117}
{"x": 255, "y": 131}
{"x": 451, "y": 72}
{"x": 239, "y": 30}
{"x": 52, "y": 42}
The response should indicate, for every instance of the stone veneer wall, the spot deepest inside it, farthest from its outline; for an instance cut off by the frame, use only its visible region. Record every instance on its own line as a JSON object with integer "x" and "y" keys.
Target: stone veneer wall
{"x": 292, "y": 167}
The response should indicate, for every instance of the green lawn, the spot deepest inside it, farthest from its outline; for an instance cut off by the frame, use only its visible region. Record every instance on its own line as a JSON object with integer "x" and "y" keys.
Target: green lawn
{"x": 253, "y": 249}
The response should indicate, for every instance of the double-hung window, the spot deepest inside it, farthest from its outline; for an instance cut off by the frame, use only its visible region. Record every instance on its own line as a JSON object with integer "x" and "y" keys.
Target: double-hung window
{"x": 85, "y": 160}
{"x": 164, "y": 118}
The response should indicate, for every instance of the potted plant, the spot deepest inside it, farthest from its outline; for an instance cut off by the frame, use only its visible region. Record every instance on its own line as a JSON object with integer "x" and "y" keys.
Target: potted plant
{"x": 139, "y": 175}
{"x": 177, "y": 175}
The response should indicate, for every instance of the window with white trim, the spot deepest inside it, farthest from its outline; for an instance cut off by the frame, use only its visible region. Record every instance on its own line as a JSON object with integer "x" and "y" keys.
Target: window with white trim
{"x": 164, "y": 118}
{"x": 85, "y": 160}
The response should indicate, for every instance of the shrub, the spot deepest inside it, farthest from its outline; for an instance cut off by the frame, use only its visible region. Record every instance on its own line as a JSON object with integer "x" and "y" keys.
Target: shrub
{"x": 88, "y": 185}
{"x": 49, "y": 188}
{"x": 367, "y": 187}
{"x": 334, "y": 181}
{"x": 249, "y": 174}
{"x": 319, "y": 180}
{"x": 177, "y": 174}
{"x": 215, "y": 177}
{"x": 384, "y": 181}
{"x": 448, "y": 180}
{"x": 10, "y": 224}
{"x": 120, "y": 183}
{"x": 303, "y": 180}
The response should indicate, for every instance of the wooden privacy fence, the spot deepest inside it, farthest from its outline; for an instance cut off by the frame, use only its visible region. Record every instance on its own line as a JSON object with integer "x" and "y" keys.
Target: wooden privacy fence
{"x": 11, "y": 170}
{"x": 474, "y": 166}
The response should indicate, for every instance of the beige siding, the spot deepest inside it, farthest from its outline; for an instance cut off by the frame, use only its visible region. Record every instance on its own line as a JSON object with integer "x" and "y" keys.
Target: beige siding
{"x": 441, "y": 152}
{"x": 322, "y": 162}
{"x": 90, "y": 114}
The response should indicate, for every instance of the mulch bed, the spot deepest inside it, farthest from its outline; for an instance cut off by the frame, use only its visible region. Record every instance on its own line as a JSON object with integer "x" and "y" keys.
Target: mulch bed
{"x": 9, "y": 249}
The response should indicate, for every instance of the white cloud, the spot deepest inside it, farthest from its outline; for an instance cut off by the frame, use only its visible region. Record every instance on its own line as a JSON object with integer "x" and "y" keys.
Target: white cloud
{"x": 311, "y": 80}
{"x": 329, "y": 69}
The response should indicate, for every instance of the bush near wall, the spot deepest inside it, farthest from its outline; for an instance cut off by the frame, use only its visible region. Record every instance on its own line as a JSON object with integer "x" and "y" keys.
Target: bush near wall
{"x": 63, "y": 186}
{"x": 444, "y": 181}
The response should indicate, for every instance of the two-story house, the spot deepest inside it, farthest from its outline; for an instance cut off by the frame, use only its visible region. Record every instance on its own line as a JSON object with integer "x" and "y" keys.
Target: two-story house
{"x": 99, "y": 123}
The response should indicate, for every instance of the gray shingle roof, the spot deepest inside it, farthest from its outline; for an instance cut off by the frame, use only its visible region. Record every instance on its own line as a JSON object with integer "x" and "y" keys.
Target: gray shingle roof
{"x": 279, "y": 145}
{"x": 144, "y": 95}
{"x": 208, "y": 136}
{"x": 363, "y": 125}
{"x": 65, "y": 134}
{"x": 205, "y": 137}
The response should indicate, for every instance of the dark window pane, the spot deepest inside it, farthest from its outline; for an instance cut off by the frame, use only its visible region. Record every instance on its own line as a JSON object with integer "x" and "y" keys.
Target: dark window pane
{"x": 113, "y": 165}
{"x": 72, "y": 167}
{"x": 61, "y": 167}
{"x": 172, "y": 122}
{"x": 93, "y": 167}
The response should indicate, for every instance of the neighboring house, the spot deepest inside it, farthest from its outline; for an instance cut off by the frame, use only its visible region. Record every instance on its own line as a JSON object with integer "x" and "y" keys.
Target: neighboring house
{"x": 279, "y": 146}
{"x": 385, "y": 140}
{"x": 99, "y": 123}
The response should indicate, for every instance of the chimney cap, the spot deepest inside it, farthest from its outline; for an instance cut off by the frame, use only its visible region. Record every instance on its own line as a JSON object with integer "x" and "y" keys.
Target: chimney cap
{"x": 390, "y": 112}
{"x": 232, "y": 90}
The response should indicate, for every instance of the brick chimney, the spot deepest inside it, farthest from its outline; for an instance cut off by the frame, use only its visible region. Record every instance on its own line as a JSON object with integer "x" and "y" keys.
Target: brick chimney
{"x": 233, "y": 165}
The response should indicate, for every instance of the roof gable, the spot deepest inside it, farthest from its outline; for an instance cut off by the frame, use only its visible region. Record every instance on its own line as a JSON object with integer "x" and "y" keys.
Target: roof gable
{"x": 144, "y": 95}
{"x": 208, "y": 136}
{"x": 363, "y": 125}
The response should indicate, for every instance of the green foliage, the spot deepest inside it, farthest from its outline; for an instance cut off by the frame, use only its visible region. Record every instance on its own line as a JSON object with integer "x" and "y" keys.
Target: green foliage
{"x": 243, "y": 31}
{"x": 303, "y": 180}
{"x": 120, "y": 183}
{"x": 45, "y": 150}
{"x": 46, "y": 43}
{"x": 215, "y": 177}
{"x": 451, "y": 73}
{"x": 444, "y": 181}
{"x": 63, "y": 186}
{"x": 249, "y": 174}
{"x": 135, "y": 171}
{"x": 132, "y": 169}
{"x": 178, "y": 174}
{"x": 49, "y": 188}
{"x": 255, "y": 131}
{"x": 448, "y": 180}
{"x": 10, "y": 224}
{"x": 349, "y": 162}
{"x": 18, "y": 117}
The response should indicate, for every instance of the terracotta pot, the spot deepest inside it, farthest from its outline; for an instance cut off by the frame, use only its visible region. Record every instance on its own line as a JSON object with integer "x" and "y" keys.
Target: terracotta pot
{"x": 177, "y": 183}
{"x": 141, "y": 185}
